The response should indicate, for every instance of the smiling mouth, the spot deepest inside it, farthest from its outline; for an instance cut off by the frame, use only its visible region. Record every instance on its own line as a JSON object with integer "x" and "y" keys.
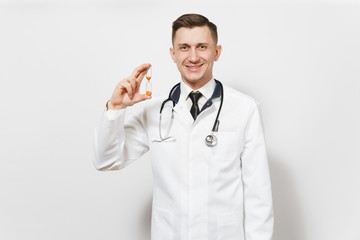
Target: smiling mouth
{"x": 194, "y": 67}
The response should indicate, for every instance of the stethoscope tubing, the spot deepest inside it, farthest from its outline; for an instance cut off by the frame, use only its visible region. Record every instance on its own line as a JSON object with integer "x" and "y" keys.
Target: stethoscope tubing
{"x": 210, "y": 140}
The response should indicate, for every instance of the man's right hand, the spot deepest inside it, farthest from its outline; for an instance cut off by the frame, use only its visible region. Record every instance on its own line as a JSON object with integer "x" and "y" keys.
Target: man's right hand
{"x": 127, "y": 91}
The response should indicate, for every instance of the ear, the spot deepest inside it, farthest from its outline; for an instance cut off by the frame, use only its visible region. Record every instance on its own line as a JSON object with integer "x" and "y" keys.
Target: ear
{"x": 218, "y": 52}
{"x": 172, "y": 54}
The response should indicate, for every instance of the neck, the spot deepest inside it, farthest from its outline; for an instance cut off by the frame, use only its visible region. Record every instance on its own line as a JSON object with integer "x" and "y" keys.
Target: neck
{"x": 196, "y": 85}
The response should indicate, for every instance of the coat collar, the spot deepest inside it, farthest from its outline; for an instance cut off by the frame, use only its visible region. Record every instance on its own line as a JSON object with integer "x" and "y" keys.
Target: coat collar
{"x": 175, "y": 95}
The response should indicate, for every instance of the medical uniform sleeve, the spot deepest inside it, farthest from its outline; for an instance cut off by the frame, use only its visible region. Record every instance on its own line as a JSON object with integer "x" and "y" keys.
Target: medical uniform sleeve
{"x": 119, "y": 140}
{"x": 258, "y": 210}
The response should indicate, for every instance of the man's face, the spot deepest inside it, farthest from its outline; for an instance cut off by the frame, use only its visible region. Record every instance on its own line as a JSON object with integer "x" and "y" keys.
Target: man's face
{"x": 194, "y": 52}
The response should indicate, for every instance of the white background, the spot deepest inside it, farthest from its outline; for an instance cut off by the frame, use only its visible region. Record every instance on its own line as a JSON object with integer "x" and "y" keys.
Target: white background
{"x": 59, "y": 62}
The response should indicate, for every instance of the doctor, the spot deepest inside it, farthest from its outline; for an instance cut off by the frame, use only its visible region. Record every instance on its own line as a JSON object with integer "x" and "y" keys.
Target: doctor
{"x": 201, "y": 191}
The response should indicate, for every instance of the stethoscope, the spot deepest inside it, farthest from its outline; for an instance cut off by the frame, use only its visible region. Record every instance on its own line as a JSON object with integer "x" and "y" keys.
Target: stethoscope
{"x": 211, "y": 139}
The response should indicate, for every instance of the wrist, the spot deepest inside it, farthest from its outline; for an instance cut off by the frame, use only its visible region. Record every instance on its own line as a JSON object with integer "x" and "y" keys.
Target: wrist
{"x": 110, "y": 106}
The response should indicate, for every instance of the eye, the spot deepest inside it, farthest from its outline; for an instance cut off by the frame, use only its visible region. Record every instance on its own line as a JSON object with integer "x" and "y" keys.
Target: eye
{"x": 184, "y": 47}
{"x": 202, "y": 47}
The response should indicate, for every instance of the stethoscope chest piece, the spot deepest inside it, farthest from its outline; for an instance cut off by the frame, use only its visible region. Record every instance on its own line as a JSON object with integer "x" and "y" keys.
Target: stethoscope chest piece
{"x": 211, "y": 140}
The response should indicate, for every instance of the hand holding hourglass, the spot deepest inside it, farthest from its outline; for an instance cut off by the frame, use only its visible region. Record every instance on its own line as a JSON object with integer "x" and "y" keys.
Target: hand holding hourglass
{"x": 148, "y": 83}
{"x": 126, "y": 92}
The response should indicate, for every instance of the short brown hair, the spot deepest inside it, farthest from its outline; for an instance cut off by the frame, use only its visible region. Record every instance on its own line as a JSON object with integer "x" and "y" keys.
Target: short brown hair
{"x": 194, "y": 20}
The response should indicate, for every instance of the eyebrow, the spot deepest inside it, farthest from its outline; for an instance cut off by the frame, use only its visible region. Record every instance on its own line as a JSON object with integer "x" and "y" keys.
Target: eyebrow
{"x": 182, "y": 44}
{"x": 186, "y": 44}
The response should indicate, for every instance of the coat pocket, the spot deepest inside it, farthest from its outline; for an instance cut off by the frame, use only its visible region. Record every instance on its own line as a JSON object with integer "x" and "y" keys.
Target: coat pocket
{"x": 230, "y": 226}
{"x": 229, "y": 145}
{"x": 161, "y": 224}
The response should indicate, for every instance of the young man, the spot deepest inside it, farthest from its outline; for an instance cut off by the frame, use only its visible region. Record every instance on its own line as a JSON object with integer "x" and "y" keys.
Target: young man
{"x": 211, "y": 177}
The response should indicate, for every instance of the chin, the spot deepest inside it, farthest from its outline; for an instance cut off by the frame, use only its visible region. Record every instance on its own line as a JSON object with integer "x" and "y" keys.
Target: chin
{"x": 193, "y": 80}
{"x": 194, "y": 77}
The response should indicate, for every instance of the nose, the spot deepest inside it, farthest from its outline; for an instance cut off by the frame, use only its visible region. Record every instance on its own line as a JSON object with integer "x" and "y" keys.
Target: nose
{"x": 193, "y": 56}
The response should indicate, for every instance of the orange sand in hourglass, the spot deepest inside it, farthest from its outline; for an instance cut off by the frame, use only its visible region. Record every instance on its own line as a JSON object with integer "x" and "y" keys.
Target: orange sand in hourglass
{"x": 148, "y": 83}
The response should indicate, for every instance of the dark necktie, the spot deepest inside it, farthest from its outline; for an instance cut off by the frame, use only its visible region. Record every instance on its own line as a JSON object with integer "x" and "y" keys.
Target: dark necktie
{"x": 194, "y": 96}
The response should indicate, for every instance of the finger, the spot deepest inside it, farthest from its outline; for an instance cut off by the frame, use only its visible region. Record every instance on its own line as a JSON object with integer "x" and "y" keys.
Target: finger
{"x": 128, "y": 87}
{"x": 140, "y": 69}
{"x": 133, "y": 83}
{"x": 142, "y": 97}
{"x": 139, "y": 79}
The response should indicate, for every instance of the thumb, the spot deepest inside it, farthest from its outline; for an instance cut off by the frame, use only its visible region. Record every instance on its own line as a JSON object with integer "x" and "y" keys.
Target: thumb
{"x": 142, "y": 97}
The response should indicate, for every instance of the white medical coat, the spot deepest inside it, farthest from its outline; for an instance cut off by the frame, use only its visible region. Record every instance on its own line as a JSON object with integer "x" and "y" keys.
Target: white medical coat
{"x": 200, "y": 192}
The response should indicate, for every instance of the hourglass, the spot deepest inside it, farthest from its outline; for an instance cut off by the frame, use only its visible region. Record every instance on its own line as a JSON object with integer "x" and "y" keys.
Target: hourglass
{"x": 148, "y": 83}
